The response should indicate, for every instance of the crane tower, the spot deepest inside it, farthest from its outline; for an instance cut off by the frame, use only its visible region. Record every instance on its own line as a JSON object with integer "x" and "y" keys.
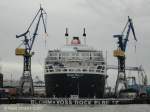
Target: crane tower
{"x": 120, "y": 53}
{"x": 26, "y": 81}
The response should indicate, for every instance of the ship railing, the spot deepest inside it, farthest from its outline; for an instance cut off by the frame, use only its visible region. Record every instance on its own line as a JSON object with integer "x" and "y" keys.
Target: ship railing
{"x": 75, "y": 70}
{"x": 99, "y": 53}
{"x": 75, "y": 58}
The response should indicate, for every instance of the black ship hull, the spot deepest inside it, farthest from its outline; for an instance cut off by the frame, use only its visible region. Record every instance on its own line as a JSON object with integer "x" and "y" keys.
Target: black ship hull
{"x": 68, "y": 84}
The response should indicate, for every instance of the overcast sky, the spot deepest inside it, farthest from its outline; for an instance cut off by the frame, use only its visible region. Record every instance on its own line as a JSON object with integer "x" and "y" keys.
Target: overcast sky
{"x": 101, "y": 18}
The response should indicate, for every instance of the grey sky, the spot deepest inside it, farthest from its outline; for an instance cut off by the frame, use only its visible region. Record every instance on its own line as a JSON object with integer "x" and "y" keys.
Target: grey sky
{"x": 101, "y": 18}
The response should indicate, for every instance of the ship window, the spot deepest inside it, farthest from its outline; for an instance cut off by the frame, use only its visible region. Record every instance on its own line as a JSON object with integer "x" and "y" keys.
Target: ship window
{"x": 91, "y": 70}
{"x": 97, "y": 70}
{"x": 47, "y": 62}
{"x": 103, "y": 63}
{"x": 65, "y": 70}
{"x": 84, "y": 70}
{"x": 99, "y": 67}
{"x": 103, "y": 68}
{"x": 70, "y": 70}
{"x": 50, "y": 67}
{"x": 95, "y": 64}
{"x": 51, "y": 70}
{"x": 80, "y": 63}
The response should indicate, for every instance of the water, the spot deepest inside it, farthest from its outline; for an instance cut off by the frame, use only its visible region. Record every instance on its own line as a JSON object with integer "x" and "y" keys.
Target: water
{"x": 74, "y": 108}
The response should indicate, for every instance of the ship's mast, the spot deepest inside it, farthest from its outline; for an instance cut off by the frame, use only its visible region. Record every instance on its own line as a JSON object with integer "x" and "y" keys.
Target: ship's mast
{"x": 84, "y": 36}
{"x": 66, "y": 35}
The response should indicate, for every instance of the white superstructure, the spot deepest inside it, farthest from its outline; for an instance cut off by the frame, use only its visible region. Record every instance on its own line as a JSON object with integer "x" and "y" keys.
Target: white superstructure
{"x": 75, "y": 58}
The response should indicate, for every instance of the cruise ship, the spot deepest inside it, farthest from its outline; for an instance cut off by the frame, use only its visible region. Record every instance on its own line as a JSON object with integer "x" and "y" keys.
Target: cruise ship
{"x": 75, "y": 70}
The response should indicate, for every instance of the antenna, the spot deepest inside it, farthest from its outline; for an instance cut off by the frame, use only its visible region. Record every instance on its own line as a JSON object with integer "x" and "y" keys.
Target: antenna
{"x": 84, "y": 35}
{"x": 66, "y": 35}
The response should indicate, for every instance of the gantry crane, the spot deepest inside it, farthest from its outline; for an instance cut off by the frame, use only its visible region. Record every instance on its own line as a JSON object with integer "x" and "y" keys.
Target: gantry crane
{"x": 120, "y": 53}
{"x": 26, "y": 81}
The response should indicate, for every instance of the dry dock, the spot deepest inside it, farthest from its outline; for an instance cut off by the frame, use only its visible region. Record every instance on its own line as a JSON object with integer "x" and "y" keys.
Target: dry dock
{"x": 68, "y": 101}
